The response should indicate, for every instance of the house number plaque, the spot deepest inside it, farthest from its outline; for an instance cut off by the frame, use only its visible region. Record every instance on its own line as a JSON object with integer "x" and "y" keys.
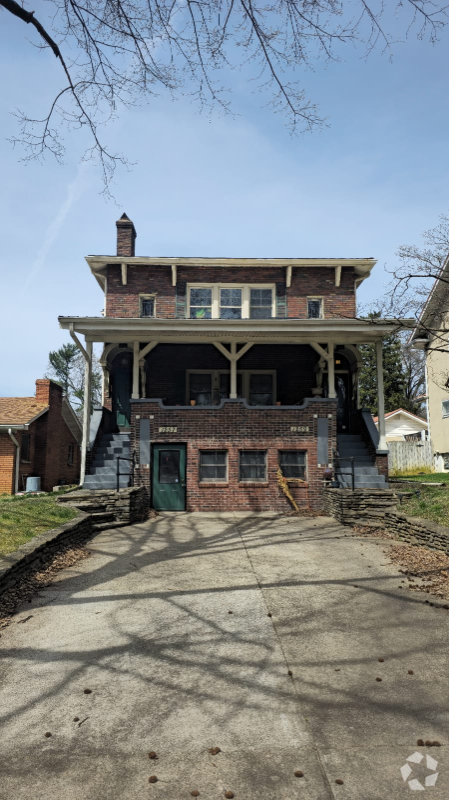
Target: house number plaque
{"x": 168, "y": 430}
{"x": 299, "y": 428}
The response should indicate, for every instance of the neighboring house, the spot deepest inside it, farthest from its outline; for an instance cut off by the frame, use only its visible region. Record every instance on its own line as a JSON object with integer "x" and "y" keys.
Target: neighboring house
{"x": 432, "y": 335}
{"x": 218, "y": 372}
{"x": 401, "y": 425}
{"x": 40, "y": 437}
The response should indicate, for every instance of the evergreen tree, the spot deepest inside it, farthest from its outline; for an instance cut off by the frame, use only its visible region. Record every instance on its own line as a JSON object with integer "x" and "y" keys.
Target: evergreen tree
{"x": 66, "y": 367}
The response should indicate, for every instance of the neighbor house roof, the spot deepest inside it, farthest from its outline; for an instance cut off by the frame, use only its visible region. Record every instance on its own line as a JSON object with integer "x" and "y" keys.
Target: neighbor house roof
{"x": 403, "y": 411}
{"x": 19, "y": 411}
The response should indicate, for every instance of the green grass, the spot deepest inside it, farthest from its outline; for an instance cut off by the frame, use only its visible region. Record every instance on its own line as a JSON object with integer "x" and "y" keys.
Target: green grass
{"x": 431, "y": 477}
{"x": 433, "y": 504}
{"x": 21, "y": 518}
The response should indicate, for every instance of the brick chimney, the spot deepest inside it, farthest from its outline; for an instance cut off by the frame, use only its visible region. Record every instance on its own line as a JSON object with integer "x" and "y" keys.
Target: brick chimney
{"x": 126, "y": 237}
{"x": 48, "y": 393}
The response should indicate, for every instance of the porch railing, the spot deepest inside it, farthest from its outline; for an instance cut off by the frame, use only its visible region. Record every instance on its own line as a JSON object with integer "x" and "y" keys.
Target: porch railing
{"x": 131, "y": 473}
{"x": 336, "y": 462}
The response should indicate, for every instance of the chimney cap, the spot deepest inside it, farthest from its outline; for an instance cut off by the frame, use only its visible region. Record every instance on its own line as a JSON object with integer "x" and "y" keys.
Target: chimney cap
{"x": 125, "y": 218}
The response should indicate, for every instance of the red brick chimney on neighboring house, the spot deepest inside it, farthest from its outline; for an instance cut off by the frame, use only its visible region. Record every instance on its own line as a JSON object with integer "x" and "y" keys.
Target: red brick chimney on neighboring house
{"x": 126, "y": 237}
{"x": 48, "y": 393}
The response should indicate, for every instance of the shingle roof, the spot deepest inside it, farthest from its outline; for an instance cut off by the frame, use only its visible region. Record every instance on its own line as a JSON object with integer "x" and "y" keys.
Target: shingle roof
{"x": 19, "y": 410}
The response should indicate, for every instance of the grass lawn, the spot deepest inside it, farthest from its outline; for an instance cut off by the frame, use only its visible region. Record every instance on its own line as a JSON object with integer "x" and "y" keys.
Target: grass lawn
{"x": 432, "y": 477}
{"x": 433, "y": 504}
{"x": 21, "y": 518}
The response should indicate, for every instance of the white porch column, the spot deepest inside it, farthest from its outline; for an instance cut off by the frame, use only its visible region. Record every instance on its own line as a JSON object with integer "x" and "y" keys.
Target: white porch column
{"x": 136, "y": 356}
{"x": 233, "y": 366}
{"x": 380, "y": 397}
{"x": 86, "y": 409}
{"x": 331, "y": 370}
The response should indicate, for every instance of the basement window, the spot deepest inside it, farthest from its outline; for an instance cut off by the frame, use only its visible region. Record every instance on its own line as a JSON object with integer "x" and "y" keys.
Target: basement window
{"x": 293, "y": 463}
{"x": 253, "y": 465}
{"x": 213, "y": 465}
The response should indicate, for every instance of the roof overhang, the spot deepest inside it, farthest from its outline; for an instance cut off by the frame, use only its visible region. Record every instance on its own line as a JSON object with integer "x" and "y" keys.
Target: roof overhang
{"x": 98, "y": 264}
{"x": 282, "y": 331}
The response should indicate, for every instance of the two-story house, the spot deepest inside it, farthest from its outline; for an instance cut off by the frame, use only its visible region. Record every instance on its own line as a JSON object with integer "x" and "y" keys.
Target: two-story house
{"x": 223, "y": 374}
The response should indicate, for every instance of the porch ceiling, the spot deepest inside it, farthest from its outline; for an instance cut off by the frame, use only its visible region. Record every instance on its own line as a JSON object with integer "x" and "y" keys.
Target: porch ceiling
{"x": 281, "y": 331}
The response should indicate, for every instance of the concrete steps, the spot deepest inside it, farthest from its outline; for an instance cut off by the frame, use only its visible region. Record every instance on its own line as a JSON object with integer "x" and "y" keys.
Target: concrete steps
{"x": 103, "y": 470}
{"x": 366, "y": 474}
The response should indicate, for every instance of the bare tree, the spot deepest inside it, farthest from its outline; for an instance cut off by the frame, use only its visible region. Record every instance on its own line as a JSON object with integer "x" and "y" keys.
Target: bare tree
{"x": 114, "y": 53}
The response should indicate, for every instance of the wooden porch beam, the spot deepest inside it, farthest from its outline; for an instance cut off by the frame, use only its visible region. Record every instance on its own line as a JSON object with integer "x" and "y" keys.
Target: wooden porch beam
{"x": 223, "y": 350}
{"x": 288, "y": 277}
{"x": 124, "y": 274}
{"x": 319, "y": 350}
{"x": 338, "y": 275}
{"x": 173, "y": 275}
{"x": 147, "y": 349}
{"x": 243, "y": 350}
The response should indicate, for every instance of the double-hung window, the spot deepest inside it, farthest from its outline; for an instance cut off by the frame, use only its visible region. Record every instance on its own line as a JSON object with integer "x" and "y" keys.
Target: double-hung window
{"x": 147, "y": 305}
{"x": 231, "y": 301}
{"x": 70, "y": 454}
{"x": 314, "y": 308}
{"x": 252, "y": 465}
{"x": 213, "y": 465}
{"x": 293, "y": 463}
{"x": 25, "y": 447}
{"x": 445, "y": 408}
{"x": 209, "y": 387}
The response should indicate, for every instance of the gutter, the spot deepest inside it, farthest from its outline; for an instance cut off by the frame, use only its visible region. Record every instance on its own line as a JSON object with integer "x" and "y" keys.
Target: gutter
{"x": 17, "y": 464}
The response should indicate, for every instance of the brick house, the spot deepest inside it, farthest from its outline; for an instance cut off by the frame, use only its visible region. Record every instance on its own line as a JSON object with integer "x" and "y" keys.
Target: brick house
{"x": 219, "y": 372}
{"x": 39, "y": 436}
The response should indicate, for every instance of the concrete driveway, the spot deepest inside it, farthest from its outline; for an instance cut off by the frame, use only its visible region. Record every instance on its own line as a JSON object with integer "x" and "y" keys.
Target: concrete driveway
{"x": 285, "y": 682}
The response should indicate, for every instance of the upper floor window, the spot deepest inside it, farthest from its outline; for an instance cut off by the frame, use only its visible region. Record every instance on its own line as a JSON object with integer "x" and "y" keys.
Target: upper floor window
{"x": 314, "y": 307}
{"x": 445, "y": 408}
{"x": 147, "y": 305}
{"x": 231, "y": 301}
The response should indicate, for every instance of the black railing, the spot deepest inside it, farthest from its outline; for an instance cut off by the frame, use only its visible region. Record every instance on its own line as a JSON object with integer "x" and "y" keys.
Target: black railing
{"x": 337, "y": 459}
{"x": 131, "y": 474}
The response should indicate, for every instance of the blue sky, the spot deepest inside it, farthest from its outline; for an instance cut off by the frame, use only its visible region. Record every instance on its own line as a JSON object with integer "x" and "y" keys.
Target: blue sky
{"x": 233, "y": 186}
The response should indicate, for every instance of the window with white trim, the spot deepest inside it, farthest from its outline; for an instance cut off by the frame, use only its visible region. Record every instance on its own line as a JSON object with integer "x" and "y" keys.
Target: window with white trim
{"x": 230, "y": 301}
{"x": 213, "y": 466}
{"x": 445, "y": 408}
{"x": 252, "y": 465}
{"x": 314, "y": 308}
{"x": 147, "y": 305}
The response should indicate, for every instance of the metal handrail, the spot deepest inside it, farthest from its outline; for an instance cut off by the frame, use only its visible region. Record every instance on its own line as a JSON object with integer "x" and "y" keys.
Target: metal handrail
{"x": 119, "y": 474}
{"x": 338, "y": 458}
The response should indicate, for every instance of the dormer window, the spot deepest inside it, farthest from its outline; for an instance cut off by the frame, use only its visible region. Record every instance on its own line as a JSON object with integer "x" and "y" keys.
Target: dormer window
{"x": 147, "y": 305}
{"x": 314, "y": 308}
{"x": 231, "y": 301}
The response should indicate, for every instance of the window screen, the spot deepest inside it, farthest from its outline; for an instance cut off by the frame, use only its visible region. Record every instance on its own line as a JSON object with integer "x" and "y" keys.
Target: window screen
{"x": 230, "y": 303}
{"x": 260, "y": 390}
{"x": 253, "y": 465}
{"x": 200, "y": 303}
{"x": 169, "y": 466}
{"x": 201, "y": 388}
{"x": 213, "y": 465}
{"x": 445, "y": 408}
{"x": 147, "y": 307}
{"x": 25, "y": 447}
{"x": 314, "y": 309}
{"x": 292, "y": 463}
{"x": 261, "y": 303}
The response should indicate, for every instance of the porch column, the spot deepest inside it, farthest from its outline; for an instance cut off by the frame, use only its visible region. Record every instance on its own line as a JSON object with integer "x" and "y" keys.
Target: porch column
{"x": 331, "y": 370}
{"x": 86, "y": 409}
{"x": 380, "y": 397}
{"x": 136, "y": 355}
{"x": 233, "y": 367}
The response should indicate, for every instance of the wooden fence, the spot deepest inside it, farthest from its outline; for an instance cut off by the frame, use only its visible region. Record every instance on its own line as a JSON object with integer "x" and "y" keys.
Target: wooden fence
{"x": 408, "y": 457}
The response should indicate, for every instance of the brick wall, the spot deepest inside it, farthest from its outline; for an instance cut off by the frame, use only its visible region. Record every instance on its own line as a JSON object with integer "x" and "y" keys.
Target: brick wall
{"x": 234, "y": 427}
{"x": 123, "y": 301}
{"x": 7, "y": 460}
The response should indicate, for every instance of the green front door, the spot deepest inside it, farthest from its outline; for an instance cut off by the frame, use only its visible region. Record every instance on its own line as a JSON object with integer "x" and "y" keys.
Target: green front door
{"x": 169, "y": 477}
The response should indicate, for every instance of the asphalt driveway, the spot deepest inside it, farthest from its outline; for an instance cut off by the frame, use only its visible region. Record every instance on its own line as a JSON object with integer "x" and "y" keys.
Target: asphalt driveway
{"x": 257, "y": 634}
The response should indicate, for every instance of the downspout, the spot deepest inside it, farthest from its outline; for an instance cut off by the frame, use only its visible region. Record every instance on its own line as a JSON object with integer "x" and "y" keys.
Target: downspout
{"x": 17, "y": 465}
{"x": 87, "y": 353}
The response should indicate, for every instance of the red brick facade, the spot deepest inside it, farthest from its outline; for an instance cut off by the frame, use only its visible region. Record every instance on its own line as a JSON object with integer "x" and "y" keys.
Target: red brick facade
{"x": 123, "y": 300}
{"x": 50, "y": 438}
{"x": 235, "y": 427}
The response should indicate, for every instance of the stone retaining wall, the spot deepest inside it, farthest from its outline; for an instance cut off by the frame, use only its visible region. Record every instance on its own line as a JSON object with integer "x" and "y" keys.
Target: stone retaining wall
{"x": 378, "y": 508}
{"x": 109, "y": 508}
{"x": 41, "y": 548}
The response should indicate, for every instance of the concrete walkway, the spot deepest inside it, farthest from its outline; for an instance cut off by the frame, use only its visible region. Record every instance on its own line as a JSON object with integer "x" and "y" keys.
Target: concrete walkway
{"x": 144, "y": 623}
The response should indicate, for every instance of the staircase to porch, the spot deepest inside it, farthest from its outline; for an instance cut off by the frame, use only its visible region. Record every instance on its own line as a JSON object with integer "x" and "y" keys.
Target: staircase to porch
{"x": 103, "y": 470}
{"x": 366, "y": 474}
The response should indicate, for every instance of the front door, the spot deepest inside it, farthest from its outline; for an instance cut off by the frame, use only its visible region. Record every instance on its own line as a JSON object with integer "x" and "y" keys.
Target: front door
{"x": 342, "y": 390}
{"x": 122, "y": 394}
{"x": 169, "y": 477}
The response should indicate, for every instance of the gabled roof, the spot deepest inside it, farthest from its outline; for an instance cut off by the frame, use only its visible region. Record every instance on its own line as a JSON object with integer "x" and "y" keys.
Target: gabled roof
{"x": 71, "y": 420}
{"x": 436, "y": 303}
{"x": 403, "y": 411}
{"x": 20, "y": 410}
